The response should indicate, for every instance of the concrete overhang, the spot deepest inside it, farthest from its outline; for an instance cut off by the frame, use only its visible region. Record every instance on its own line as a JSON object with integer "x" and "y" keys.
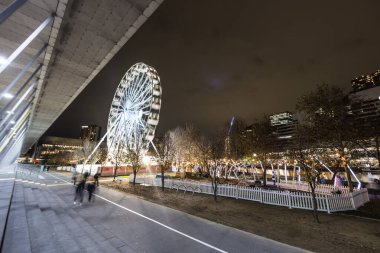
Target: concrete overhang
{"x": 82, "y": 38}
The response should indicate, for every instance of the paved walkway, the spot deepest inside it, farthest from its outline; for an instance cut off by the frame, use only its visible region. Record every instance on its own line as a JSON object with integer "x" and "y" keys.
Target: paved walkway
{"x": 44, "y": 219}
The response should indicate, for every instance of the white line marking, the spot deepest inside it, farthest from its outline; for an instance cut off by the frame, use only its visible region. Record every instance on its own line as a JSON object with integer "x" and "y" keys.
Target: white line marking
{"x": 161, "y": 224}
{"x": 154, "y": 221}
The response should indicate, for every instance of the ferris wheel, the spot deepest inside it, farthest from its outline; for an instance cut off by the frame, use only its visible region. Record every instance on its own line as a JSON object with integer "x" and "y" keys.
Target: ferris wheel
{"x": 135, "y": 110}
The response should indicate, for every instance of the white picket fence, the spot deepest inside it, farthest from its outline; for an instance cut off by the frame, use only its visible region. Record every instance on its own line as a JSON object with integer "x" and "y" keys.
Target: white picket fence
{"x": 65, "y": 168}
{"x": 321, "y": 188}
{"x": 302, "y": 200}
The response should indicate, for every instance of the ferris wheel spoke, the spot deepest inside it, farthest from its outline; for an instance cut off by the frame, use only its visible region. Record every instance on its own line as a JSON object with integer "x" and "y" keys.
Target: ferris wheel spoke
{"x": 146, "y": 90}
{"x": 136, "y": 86}
{"x": 140, "y": 84}
{"x": 140, "y": 104}
{"x": 145, "y": 94}
{"x": 143, "y": 84}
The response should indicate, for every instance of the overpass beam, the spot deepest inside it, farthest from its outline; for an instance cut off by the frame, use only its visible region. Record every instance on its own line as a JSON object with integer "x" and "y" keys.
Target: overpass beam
{"x": 5, "y": 108}
{"x": 18, "y": 104}
{"x": 26, "y": 43}
{"x": 22, "y": 72}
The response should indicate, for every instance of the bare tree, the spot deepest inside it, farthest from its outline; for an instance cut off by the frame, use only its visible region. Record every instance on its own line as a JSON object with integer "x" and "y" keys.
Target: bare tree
{"x": 166, "y": 155}
{"x": 326, "y": 113}
{"x": 102, "y": 155}
{"x": 216, "y": 153}
{"x": 262, "y": 141}
{"x": 134, "y": 155}
{"x": 87, "y": 148}
{"x": 184, "y": 145}
{"x": 211, "y": 151}
{"x": 304, "y": 154}
{"x": 177, "y": 140}
{"x": 204, "y": 153}
{"x": 120, "y": 157}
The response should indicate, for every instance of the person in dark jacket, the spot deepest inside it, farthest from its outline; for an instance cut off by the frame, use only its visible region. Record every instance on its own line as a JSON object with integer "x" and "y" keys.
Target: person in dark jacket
{"x": 90, "y": 188}
{"x": 96, "y": 178}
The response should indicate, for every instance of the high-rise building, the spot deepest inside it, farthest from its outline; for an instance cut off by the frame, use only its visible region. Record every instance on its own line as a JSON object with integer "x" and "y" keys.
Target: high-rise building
{"x": 281, "y": 118}
{"x": 366, "y": 108}
{"x": 366, "y": 81}
{"x": 285, "y": 127}
{"x": 91, "y": 132}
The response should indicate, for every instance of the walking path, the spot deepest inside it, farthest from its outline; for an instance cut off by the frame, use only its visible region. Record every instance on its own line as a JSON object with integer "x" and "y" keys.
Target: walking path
{"x": 43, "y": 218}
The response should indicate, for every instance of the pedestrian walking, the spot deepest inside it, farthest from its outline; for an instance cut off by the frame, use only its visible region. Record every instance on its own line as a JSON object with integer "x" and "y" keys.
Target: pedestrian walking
{"x": 74, "y": 175}
{"x": 90, "y": 189}
{"x": 79, "y": 191}
{"x": 96, "y": 178}
{"x": 274, "y": 178}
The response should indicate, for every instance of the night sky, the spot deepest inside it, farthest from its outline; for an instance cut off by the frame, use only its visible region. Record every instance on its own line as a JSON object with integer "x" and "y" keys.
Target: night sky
{"x": 218, "y": 58}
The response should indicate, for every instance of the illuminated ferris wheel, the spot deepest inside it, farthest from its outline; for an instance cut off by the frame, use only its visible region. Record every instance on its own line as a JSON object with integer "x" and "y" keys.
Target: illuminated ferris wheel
{"x": 135, "y": 110}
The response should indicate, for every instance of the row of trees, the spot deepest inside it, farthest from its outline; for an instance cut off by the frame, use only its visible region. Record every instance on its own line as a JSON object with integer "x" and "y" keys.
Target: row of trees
{"x": 326, "y": 122}
{"x": 327, "y": 128}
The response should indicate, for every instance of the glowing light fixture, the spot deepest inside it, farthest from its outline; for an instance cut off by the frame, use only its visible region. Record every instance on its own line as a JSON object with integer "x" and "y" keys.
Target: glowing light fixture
{"x": 146, "y": 160}
{"x": 2, "y": 60}
{"x": 7, "y": 95}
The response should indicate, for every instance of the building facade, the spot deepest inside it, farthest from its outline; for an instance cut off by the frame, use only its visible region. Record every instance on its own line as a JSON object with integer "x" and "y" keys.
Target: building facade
{"x": 90, "y": 132}
{"x": 284, "y": 125}
{"x": 365, "y": 109}
{"x": 58, "y": 150}
{"x": 366, "y": 81}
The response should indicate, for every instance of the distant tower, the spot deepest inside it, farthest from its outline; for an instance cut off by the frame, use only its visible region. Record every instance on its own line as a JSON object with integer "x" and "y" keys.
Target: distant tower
{"x": 91, "y": 132}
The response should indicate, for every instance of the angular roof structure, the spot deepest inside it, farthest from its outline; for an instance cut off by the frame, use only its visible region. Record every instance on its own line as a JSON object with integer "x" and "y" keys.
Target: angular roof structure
{"x": 73, "y": 41}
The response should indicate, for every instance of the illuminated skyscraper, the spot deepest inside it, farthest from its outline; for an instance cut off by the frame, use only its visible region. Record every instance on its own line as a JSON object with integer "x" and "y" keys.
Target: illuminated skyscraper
{"x": 285, "y": 127}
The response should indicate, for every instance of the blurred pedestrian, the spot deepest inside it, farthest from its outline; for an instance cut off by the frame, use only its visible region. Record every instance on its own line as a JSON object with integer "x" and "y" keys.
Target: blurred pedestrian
{"x": 79, "y": 191}
{"x": 74, "y": 175}
{"x": 90, "y": 188}
{"x": 96, "y": 178}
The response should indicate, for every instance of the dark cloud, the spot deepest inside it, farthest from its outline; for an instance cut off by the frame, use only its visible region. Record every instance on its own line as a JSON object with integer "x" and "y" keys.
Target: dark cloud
{"x": 218, "y": 58}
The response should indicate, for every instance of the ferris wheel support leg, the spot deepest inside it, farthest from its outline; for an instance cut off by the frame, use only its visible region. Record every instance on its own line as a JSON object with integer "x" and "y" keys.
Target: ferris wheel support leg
{"x": 97, "y": 146}
{"x": 155, "y": 149}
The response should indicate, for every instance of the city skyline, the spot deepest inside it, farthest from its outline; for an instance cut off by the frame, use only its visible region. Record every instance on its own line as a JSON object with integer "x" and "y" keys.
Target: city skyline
{"x": 237, "y": 61}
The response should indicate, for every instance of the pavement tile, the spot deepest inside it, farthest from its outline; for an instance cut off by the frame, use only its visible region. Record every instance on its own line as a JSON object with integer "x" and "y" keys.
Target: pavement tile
{"x": 116, "y": 242}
